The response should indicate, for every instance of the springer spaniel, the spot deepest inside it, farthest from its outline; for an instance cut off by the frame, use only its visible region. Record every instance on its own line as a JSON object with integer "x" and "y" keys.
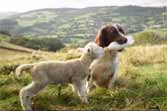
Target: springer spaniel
{"x": 110, "y": 33}
{"x": 107, "y": 35}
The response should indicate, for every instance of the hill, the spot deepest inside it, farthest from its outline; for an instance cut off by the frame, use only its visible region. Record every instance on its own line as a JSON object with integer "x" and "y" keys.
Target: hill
{"x": 24, "y": 43}
{"x": 5, "y": 15}
{"x": 12, "y": 47}
{"x": 78, "y": 25}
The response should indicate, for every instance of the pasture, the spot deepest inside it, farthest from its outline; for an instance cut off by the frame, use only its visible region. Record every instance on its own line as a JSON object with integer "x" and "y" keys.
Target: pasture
{"x": 141, "y": 82}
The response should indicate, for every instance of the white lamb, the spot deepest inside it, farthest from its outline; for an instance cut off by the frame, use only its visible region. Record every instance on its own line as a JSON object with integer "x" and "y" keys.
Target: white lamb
{"x": 63, "y": 72}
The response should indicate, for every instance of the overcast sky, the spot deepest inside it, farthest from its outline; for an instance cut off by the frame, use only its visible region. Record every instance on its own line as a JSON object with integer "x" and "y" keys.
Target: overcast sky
{"x": 26, "y": 5}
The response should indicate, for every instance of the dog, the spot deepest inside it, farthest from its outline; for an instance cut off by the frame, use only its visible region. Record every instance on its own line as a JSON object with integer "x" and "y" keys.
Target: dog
{"x": 101, "y": 70}
{"x": 107, "y": 35}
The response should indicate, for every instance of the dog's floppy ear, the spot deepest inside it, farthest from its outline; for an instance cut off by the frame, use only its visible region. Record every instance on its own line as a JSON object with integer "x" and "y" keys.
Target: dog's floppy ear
{"x": 101, "y": 36}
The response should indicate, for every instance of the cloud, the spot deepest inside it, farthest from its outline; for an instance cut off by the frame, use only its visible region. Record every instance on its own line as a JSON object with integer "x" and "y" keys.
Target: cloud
{"x": 155, "y": 3}
{"x": 25, "y": 5}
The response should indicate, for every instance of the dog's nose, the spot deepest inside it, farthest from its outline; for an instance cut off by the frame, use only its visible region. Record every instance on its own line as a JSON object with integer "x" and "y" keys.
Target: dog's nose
{"x": 125, "y": 40}
{"x": 122, "y": 40}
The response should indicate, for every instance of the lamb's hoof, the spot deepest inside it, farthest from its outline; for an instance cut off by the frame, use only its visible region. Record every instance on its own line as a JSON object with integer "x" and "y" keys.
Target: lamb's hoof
{"x": 86, "y": 102}
{"x": 27, "y": 110}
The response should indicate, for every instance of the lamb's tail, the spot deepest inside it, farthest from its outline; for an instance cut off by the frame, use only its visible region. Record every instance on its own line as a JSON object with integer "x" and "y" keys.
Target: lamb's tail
{"x": 23, "y": 67}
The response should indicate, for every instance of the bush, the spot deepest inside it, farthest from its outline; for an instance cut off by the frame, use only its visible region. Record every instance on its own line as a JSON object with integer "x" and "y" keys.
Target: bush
{"x": 5, "y": 32}
{"x": 46, "y": 44}
{"x": 150, "y": 37}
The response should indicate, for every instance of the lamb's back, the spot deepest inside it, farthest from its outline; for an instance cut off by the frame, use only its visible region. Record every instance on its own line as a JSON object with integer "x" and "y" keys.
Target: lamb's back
{"x": 61, "y": 71}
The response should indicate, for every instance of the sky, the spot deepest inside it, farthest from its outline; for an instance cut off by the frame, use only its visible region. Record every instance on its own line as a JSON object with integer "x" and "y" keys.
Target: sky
{"x": 27, "y": 5}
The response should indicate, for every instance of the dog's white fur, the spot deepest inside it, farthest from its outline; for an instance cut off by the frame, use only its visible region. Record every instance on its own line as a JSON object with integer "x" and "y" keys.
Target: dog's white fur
{"x": 117, "y": 46}
{"x": 102, "y": 71}
{"x": 68, "y": 72}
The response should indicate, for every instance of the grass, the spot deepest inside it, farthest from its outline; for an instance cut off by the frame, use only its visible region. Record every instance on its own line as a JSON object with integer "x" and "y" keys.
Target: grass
{"x": 35, "y": 18}
{"x": 141, "y": 82}
{"x": 152, "y": 36}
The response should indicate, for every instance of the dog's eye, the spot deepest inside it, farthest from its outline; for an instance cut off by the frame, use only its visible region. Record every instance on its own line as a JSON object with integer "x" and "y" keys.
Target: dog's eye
{"x": 114, "y": 32}
{"x": 121, "y": 30}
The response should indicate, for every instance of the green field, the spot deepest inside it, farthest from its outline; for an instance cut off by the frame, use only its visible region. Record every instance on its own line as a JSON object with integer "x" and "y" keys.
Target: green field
{"x": 141, "y": 83}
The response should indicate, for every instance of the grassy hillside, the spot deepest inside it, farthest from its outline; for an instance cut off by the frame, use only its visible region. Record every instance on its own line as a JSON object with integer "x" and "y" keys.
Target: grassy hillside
{"x": 24, "y": 43}
{"x": 71, "y": 25}
{"x": 151, "y": 36}
{"x": 8, "y": 46}
{"x": 141, "y": 82}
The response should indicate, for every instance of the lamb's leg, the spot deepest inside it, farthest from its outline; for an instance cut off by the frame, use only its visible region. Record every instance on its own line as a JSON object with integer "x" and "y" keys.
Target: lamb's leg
{"x": 89, "y": 85}
{"x": 28, "y": 92}
{"x": 59, "y": 90}
{"x": 80, "y": 88}
{"x": 74, "y": 89}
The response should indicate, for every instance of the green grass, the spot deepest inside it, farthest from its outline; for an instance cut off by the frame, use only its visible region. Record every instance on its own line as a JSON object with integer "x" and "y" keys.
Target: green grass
{"x": 152, "y": 36}
{"x": 36, "y": 18}
{"x": 141, "y": 83}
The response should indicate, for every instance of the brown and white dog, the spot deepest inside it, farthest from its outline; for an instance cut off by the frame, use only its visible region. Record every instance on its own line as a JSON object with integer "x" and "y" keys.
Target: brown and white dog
{"x": 103, "y": 71}
{"x": 110, "y": 33}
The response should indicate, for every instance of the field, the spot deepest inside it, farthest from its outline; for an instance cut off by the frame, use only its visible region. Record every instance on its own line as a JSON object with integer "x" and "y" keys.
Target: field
{"x": 141, "y": 83}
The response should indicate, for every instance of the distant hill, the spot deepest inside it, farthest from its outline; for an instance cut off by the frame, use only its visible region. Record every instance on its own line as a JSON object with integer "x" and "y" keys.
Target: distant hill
{"x": 4, "y": 15}
{"x": 78, "y": 25}
{"x": 29, "y": 44}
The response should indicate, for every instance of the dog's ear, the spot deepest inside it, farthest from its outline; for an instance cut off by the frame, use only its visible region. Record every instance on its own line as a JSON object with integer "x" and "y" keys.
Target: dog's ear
{"x": 101, "y": 36}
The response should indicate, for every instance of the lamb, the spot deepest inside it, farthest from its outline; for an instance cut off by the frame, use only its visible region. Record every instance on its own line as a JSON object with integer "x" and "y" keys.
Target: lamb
{"x": 72, "y": 72}
{"x": 101, "y": 70}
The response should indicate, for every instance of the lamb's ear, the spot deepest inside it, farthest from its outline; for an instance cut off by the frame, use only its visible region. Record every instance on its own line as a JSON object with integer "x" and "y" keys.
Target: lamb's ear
{"x": 82, "y": 50}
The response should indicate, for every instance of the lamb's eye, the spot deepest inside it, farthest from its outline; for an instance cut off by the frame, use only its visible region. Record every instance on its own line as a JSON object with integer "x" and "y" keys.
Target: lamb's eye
{"x": 88, "y": 50}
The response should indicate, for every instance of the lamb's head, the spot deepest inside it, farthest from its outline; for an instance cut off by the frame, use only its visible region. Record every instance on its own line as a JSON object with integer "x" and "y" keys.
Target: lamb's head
{"x": 93, "y": 50}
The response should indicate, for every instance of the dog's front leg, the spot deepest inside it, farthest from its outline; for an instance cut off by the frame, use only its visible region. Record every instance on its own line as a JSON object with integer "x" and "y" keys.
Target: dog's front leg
{"x": 114, "y": 75}
{"x": 112, "y": 80}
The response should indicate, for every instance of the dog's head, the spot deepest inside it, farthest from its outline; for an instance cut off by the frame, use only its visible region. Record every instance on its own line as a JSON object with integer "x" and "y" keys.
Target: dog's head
{"x": 109, "y": 34}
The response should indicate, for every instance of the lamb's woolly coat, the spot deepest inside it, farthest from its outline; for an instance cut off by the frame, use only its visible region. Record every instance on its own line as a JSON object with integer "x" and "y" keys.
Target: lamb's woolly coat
{"x": 63, "y": 72}
{"x": 59, "y": 72}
